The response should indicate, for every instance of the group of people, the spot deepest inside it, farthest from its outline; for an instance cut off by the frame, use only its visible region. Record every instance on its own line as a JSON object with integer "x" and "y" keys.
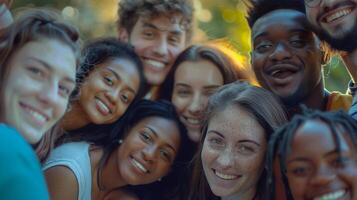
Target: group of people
{"x": 149, "y": 115}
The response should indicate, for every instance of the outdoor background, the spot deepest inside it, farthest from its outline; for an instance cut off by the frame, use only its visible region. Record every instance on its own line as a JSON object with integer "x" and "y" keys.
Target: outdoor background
{"x": 224, "y": 20}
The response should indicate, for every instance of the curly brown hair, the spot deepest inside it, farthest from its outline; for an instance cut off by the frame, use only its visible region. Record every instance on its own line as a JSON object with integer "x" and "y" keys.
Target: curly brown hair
{"x": 129, "y": 12}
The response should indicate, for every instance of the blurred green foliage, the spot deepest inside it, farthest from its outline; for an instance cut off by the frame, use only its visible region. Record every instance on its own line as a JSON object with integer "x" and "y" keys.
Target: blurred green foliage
{"x": 215, "y": 20}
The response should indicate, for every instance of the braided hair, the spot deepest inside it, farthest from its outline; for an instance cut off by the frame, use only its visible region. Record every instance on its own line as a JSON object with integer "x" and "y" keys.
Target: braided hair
{"x": 280, "y": 142}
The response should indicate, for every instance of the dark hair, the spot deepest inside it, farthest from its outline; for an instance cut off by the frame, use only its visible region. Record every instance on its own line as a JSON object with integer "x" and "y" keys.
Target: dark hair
{"x": 34, "y": 25}
{"x": 264, "y": 106}
{"x": 130, "y": 10}
{"x": 101, "y": 50}
{"x": 136, "y": 113}
{"x": 259, "y": 8}
{"x": 279, "y": 144}
{"x": 230, "y": 71}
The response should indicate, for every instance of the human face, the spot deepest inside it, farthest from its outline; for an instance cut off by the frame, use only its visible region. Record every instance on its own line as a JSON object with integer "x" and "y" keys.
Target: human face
{"x": 316, "y": 170}
{"x": 335, "y": 21}
{"x": 194, "y": 83}
{"x": 148, "y": 151}
{"x": 108, "y": 90}
{"x": 286, "y": 58}
{"x": 158, "y": 41}
{"x": 38, "y": 86}
{"x": 233, "y": 153}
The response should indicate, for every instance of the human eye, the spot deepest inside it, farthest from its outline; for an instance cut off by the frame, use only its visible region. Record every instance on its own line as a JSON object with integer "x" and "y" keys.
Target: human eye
{"x": 64, "y": 90}
{"x": 263, "y": 47}
{"x": 148, "y": 34}
{"x": 245, "y": 149}
{"x": 183, "y": 92}
{"x": 166, "y": 155}
{"x": 36, "y": 71}
{"x": 216, "y": 142}
{"x": 109, "y": 81}
{"x": 297, "y": 43}
{"x": 209, "y": 92}
{"x": 300, "y": 170}
{"x": 340, "y": 162}
{"x": 145, "y": 136}
{"x": 174, "y": 39}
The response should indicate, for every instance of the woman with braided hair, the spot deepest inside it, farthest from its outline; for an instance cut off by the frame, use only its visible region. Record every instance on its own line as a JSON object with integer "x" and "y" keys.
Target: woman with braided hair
{"x": 316, "y": 156}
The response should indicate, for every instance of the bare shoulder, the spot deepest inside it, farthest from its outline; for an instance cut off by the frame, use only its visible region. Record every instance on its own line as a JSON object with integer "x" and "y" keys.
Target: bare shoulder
{"x": 62, "y": 183}
{"x": 121, "y": 195}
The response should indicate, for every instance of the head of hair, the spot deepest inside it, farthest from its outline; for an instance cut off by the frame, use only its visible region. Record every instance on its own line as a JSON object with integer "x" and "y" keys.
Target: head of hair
{"x": 34, "y": 25}
{"x": 280, "y": 142}
{"x": 104, "y": 49}
{"x": 259, "y": 8}
{"x": 130, "y": 10}
{"x": 138, "y": 112}
{"x": 229, "y": 69}
{"x": 264, "y": 106}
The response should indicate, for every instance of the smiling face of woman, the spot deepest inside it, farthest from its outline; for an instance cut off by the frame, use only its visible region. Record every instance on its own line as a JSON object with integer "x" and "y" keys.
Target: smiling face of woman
{"x": 38, "y": 86}
{"x": 148, "y": 151}
{"x": 233, "y": 153}
{"x": 194, "y": 83}
{"x": 108, "y": 90}
{"x": 315, "y": 169}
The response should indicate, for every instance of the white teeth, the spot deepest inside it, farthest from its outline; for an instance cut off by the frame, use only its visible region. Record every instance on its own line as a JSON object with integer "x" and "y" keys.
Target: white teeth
{"x": 38, "y": 116}
{"x": 102, "y": 106}
{"x": 338, "y": 14}
{"x": 140, "y": 166}
{"x": 275, "y": 72}
{"x": 332, "y": 195}
{"x": 155, "y": 64}
{"x": 193, "y": 121}
{"x": 225, "y": 176}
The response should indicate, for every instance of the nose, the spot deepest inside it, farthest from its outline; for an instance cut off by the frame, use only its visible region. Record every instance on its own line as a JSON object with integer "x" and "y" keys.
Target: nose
{"x": 197, "y": 104}
{"x": 280, "y": 53}
{"x": 49, "y": 93}
{"x": 328, "y": 4}
{"x": 161, "y": 47}
{"x": 226, "y": 158}
{"x": 323, "y": 176}
{"x": 113, "y": 95}
{"x": 149, "y": 153}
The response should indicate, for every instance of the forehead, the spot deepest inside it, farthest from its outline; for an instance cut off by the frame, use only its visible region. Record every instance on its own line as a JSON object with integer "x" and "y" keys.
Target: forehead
{"x": 280, "y": 20}
{"x": 198, "y": 71}
{"x": 235, "y": 123}
{"x": 315, "y": 137}
{"x": 164, "y": 22}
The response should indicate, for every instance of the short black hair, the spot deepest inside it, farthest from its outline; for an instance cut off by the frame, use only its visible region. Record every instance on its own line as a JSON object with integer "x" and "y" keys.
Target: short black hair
{"x": 259, "y": 8}
{"x": 280, "y": 142}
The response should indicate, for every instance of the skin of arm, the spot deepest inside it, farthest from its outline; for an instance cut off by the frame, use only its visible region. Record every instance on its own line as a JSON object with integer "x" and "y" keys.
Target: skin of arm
{"x": 62, "y": 183}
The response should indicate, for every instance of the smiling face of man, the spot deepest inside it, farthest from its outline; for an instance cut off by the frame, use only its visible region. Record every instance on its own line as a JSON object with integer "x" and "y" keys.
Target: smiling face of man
{"x": 335, "y": 21}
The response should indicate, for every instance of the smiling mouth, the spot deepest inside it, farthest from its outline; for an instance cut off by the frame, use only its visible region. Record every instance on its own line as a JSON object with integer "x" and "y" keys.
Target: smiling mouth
{"x": 195, "y": 122}
{"x": 337, "y": 15}
{"x": 225, "y": 176}
{"x": 154, "y": 64}
{"x": 102, "y": 107}
{"x": 138, "y": 165}
{"x": 332, "y": 195}
{"x": 38, "y": 117}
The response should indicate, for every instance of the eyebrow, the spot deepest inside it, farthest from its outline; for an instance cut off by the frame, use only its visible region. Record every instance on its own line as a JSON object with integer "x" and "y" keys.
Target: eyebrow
{"x": 216, "y": 132}
{"x": 50, "y": 68}
{"x": 155, "y": 134}
{"x": 205, "y": 87}
{"x": 305, "y": 159}
{"x": 148, "y": 25}
{"x": 118, "y": 77}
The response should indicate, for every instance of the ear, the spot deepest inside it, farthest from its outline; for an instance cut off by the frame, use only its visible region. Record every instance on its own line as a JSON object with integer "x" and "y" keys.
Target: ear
{"x": 123, "y": 35}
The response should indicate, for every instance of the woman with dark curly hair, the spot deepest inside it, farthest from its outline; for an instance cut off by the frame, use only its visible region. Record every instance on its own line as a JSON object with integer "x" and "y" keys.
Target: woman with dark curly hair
{"x": 110, "y": 78}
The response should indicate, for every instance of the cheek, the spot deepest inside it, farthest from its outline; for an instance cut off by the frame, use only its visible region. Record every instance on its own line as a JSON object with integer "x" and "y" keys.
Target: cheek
{"x": 180, "y": 103}
{"x": 298, "y": 187}
{"x": 208, "y": 155}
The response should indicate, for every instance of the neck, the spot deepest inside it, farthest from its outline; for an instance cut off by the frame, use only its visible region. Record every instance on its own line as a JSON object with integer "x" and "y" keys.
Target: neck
{"x": 245, "y": 195}
{"x": 110, "y": 177}
{"x": 317, "y": 100}
{"x": 74, "y": 119}
{"x": 350, "y": 60}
